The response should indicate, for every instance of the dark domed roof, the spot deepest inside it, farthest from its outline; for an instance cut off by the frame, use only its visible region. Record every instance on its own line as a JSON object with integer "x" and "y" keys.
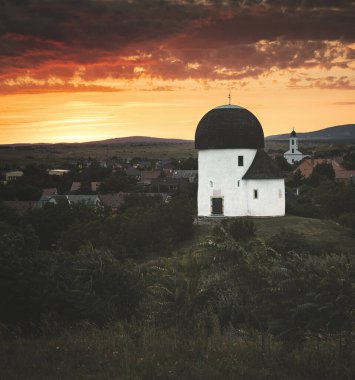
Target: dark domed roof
{"x": 293, "y": 133}
{"x": 229, "y": 127}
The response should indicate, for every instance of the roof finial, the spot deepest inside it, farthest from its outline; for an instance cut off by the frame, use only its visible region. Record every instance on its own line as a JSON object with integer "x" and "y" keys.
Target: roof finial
{"x": 229, "y": 98}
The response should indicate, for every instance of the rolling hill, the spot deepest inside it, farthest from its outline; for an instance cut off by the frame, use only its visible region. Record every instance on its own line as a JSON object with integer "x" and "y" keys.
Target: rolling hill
{"x": 138, "y": 139}
{"x": 336, "y": 133}
{"x": 117, "y": 140}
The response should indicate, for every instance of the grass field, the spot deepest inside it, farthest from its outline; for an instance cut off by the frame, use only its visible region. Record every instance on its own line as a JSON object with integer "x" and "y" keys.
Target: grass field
{"x": 315, "y": 230}
{"x": 116, "y": 352}
{"x": 64, "y": 154}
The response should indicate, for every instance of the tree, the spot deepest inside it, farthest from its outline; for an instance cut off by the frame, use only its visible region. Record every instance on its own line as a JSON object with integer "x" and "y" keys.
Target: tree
{"x": 320, "y": 173}
{"x": 116, "y": 183}
{"x": 240, "y": 229}
{"x": 282, "y": 163}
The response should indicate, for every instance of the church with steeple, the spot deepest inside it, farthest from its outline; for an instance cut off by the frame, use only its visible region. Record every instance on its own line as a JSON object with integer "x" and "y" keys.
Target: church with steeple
{"x": 293, "y": 154}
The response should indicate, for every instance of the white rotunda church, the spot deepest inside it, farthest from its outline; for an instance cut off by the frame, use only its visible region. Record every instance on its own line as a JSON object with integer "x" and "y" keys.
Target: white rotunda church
{"x": 236, "y": 176}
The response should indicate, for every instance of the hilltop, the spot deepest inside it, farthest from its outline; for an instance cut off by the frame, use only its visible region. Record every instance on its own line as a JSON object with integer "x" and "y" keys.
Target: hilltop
{"x": 336, "y": 133}
{"x": 116, "y": 140}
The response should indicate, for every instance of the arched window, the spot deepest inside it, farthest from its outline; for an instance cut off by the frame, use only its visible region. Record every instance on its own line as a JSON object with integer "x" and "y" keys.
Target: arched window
{"x": 211, "y": 183}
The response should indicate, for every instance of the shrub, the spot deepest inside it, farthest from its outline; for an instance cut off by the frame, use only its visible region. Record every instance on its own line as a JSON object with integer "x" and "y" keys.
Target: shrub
{"x": 240, "y": 229}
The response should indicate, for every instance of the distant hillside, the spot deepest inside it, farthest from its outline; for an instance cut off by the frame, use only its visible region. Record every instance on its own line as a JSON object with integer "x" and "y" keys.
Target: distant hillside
{"x": 337, "y": 133}
{"x": 138, "y": 139}
{"x": 118, "y": 140}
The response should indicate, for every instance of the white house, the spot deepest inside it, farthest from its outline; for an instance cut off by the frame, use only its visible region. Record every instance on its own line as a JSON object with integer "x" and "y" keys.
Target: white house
{"x": 236, "y": 176}
{"x": 293, "y": 154}
{"x": 13, "y": 176}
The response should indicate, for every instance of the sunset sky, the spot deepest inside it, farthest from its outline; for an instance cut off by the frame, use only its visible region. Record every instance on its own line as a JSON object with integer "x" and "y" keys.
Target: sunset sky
{"x": 82, "y": 70}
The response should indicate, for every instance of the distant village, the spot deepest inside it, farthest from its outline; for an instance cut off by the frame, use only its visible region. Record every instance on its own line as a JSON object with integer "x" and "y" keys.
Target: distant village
{"x": 160, "y": 178}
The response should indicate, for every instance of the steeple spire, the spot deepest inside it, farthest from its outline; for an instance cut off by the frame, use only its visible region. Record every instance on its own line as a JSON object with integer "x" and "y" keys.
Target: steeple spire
{"x": 229, "y": 98}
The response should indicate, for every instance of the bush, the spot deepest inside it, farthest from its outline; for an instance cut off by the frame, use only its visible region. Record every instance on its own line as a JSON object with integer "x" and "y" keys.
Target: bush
{"x": 288, "y": 240}
{"x": 240, "y": 229}
{"x": 348, "y": 220}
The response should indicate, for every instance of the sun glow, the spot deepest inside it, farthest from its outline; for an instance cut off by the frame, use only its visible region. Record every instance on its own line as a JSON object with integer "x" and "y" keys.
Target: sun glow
{"x": 78, "y": 117}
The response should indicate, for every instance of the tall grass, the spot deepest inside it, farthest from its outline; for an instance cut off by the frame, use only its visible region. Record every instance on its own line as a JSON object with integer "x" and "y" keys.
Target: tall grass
{"x": 130, "y": 351}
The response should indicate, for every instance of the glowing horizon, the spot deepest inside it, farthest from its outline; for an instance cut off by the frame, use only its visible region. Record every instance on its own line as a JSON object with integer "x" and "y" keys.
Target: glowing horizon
{"x": 115, "y": 69}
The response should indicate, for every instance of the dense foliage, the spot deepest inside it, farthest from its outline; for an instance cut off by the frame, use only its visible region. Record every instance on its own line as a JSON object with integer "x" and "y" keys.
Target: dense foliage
{"x": 128, "y": 296}
{"x": 321, "y": 197}
{"x": 282, "y": 308}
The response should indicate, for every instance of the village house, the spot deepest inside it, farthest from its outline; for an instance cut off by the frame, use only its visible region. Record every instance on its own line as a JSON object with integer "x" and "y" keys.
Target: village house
{"x": 51, "y": 200}
{"x": 13, "y": 175}
{"x": 50, "y": 191}
{"x": 134, "y": 173}
{"x": 191, "y": 175}
{"x": 59, "y": 172}
{"x": 307, "y": 166}
{"x": 148, "y": 175}
{"x": 169, "y": 184}
{"x": 113, "y": 201}
{"x": 89, "y": 200}
{"x": 76, "y": 186}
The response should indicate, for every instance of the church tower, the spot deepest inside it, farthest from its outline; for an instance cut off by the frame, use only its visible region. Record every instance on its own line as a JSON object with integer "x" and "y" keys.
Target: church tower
{"x": 293, "y": 154}
{"x": 236, "y": 176}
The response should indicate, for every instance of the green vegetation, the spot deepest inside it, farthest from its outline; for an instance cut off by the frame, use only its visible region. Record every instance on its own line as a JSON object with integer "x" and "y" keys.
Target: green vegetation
{"x": 229, "y": 306}
{"x": 147, "y": 294}
{"x": 324, "y": 231}
{"x": 121, "y": 352}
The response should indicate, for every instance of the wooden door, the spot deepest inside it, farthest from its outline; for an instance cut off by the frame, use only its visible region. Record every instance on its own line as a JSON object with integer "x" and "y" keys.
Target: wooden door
{"x": 217, "y": 206}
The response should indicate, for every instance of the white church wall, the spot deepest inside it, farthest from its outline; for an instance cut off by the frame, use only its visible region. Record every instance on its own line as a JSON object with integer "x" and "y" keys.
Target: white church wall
{"x": 293, "y": 154}
{"x": 271, "y": 197}
{"x": 220, "y": 166}
{"x": 293, "y": 157}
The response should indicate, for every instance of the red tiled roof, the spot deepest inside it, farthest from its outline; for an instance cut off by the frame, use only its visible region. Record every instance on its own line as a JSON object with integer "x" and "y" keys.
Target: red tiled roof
{"x": 114, "y": 201}
{"x": 49, "y": 191}
{"x": 148, "y": 175}
{"x": 75, "y": 186}
{"x": 306, "y": 167}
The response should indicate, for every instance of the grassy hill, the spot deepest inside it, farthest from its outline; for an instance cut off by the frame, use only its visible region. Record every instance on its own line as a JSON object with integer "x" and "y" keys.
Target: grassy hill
{"x": 315, "y": 230}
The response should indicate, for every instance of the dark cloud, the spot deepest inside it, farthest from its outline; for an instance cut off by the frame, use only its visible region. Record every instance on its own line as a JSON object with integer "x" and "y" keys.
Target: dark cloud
{"x": 171, "y": 39}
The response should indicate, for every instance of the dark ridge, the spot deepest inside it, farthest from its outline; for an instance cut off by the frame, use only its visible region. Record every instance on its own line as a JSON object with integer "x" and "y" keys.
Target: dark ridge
{"x": 118, "y": 140}
{"x": 344, "y": 132}
{"x": 263, "y": 167}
